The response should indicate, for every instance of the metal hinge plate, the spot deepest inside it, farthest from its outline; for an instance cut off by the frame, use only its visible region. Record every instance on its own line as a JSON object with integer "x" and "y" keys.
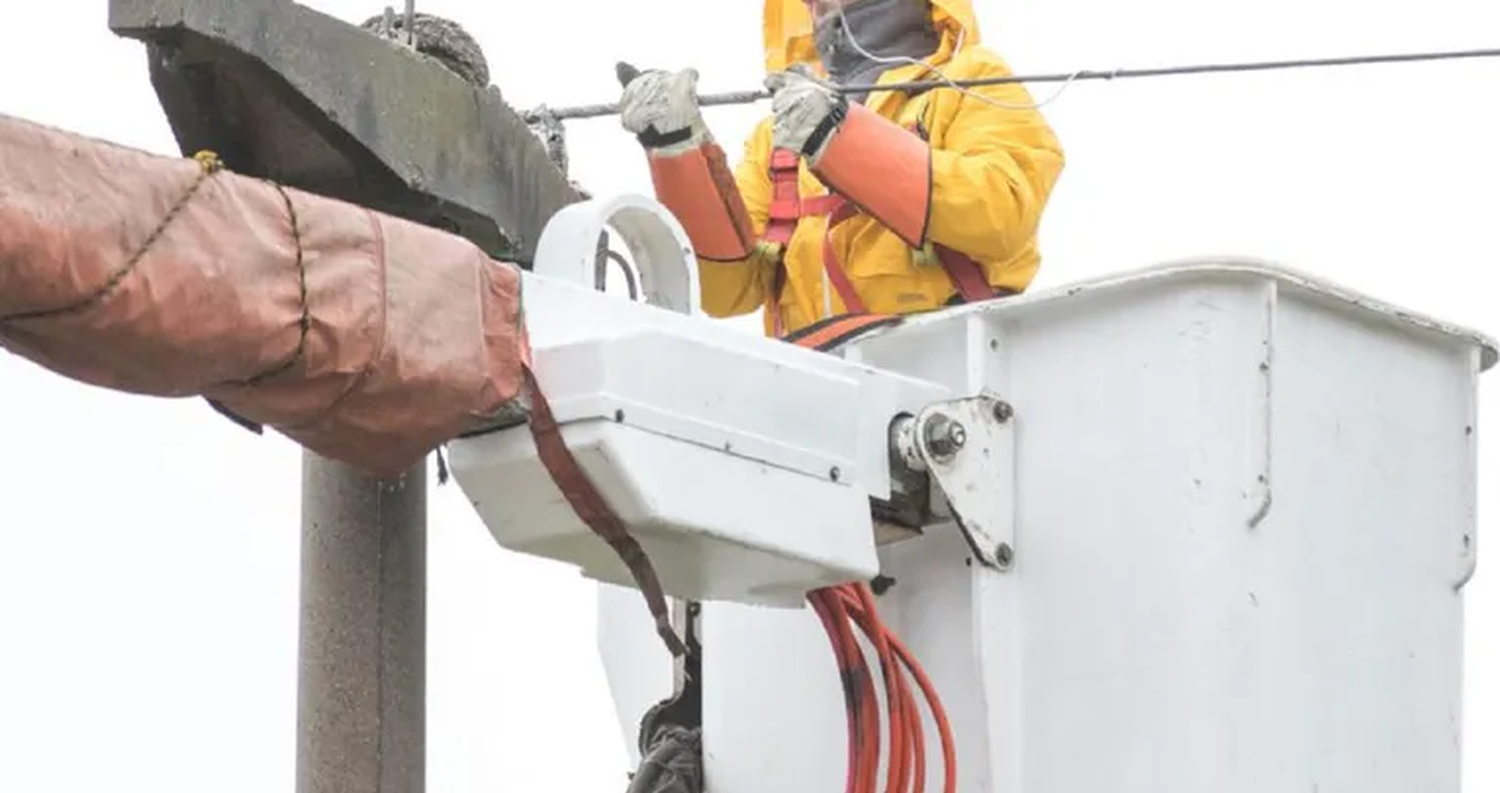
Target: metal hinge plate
{"x": 968, "y": 447}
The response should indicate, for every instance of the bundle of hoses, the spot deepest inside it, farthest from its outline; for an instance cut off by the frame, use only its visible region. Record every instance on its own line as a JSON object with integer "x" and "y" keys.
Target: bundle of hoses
{"x": 854, "y": 604}
{"x": 839, "y": 606}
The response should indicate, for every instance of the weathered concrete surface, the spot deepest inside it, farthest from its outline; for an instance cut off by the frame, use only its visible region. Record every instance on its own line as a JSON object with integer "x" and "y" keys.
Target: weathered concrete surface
{"x": 443, "y": 39}
{"x": 361, "y": 705}
{"x": 291, "y": 94}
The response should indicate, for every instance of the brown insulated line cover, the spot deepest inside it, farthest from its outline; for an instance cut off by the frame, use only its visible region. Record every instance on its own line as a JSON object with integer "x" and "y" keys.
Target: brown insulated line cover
{"x": 366, "y": 338}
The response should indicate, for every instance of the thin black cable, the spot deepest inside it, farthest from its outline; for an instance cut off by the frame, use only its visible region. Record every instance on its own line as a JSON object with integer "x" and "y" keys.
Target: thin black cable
{"x": 746, "y": 97}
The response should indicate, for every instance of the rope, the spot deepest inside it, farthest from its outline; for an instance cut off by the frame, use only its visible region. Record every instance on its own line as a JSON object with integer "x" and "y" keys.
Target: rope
{"x": 304, "y": 322}
{"x": 748, "y": 97}
{"x": 208, "y": 165}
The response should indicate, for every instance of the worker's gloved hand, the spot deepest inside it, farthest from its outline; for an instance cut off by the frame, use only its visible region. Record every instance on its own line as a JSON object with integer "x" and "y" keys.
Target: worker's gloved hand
{"x": 661, "y": 109}
{"x": 807, "y": 111}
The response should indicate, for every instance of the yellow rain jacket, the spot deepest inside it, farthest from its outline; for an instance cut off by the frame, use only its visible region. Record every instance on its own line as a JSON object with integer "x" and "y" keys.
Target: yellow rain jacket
{"x": 993, "y": 171}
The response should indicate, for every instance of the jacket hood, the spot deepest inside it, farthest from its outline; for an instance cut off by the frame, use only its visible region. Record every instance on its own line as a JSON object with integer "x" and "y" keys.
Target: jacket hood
{"x": 787, "y": 26}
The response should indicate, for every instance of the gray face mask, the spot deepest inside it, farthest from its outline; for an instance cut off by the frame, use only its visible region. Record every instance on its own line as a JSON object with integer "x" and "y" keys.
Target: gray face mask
{"x": 883, "y": 28}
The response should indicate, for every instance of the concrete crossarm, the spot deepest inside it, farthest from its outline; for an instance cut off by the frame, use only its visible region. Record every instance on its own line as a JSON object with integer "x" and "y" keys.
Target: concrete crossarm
{"x": 288, "y": 93}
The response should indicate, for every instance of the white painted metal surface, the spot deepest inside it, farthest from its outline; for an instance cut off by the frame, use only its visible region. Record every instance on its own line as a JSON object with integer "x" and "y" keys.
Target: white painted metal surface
{"x": 968, "y": 449}
{"x": 568, "y": 248}
{"x": 1243, "y": 518}
{"x": 712, "y": 458}
{"x": 736, "y": 461}
{"x": 1240, "y": 519}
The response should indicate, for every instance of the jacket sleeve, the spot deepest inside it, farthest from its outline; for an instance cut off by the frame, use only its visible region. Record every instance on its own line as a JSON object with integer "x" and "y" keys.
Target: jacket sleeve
{"x": 995, "y": 170}
{"x": 740, "y": 286}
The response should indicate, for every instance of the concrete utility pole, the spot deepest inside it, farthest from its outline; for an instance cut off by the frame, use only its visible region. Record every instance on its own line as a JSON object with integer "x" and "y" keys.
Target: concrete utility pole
{"x": 361, "y": 721}
{"x": 286, "y": 93}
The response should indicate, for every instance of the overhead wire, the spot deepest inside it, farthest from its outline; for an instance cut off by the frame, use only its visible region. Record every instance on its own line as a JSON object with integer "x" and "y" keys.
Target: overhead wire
{"x": 1066, "y": 78}
{"x": 847, "y": 33}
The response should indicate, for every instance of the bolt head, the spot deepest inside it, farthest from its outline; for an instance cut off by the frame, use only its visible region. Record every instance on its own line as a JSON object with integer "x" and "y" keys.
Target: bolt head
{"x": 1005, "y": 556}
{"x": 1003, "y": 412}
{"x": 943, "y": 436}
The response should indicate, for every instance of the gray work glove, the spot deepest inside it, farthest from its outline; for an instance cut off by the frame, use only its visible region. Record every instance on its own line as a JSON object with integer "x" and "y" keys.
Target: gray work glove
{"x": 661, "y": 109}
{"x": 803, "y": 105}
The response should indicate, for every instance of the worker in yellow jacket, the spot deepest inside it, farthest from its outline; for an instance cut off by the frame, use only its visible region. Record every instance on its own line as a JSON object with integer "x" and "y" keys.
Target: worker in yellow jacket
{"x": 889, "y": 202}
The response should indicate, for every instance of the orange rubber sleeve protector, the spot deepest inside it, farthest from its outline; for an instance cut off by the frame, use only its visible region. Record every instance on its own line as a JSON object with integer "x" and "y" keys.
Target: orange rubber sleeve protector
{"x": 883, "y": 169}
{"x": 699, "y": 189}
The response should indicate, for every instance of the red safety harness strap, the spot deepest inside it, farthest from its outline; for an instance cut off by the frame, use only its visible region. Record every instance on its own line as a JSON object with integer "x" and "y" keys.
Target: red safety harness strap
{"x": 836, "y": 277}
{"x": 966, "y": 274}
{"x": 787, "y": 204}
{"x": 787, "y": 207}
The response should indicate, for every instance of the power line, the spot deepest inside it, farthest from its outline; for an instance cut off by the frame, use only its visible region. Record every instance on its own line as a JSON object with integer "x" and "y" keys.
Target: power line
{"x": 747, "y": 97}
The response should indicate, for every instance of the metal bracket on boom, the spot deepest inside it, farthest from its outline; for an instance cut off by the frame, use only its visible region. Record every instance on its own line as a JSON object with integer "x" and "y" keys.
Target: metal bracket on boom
{"x": 968, "y": 448}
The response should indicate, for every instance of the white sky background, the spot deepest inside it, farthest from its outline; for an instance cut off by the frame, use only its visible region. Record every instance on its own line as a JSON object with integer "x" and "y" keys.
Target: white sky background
{"x": 148, "y": 577}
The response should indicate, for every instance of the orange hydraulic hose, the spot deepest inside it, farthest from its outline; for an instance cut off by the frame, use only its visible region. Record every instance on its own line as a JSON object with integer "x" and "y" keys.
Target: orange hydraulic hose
{"x": 820, "y": 603}
{"x": 895, "y": 688}
{"x": 945, "y": 731}
{"x": 836, "y": 608}
{"x": 868, "y": 766}
{"x": 830, "y": 608}
{"x": 905, "y": 723}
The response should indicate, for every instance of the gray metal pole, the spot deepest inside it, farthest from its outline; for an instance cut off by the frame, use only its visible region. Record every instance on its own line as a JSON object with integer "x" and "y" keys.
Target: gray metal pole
{"x": 361, "y": 681}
